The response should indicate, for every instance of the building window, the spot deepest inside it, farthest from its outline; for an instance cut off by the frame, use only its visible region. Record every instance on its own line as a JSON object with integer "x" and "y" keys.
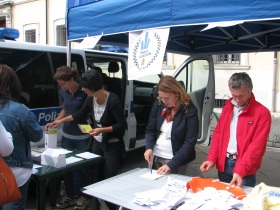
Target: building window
{"x": 227, "y": 59}
{"x": 60, "y": 35}
{"x": 30, "y": 35}
{"x": 219, "y": 103}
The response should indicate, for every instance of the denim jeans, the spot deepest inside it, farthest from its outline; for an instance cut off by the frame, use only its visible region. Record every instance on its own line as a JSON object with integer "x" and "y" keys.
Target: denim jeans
{"x": 226, "y": 176}
{"x": 73, "y": 180}
{"x": 19, "y": 204}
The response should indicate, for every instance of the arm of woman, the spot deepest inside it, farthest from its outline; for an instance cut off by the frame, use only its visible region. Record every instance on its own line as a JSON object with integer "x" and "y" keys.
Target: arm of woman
{"x": 186, "y": 152}
{"x": 6, "y": 142}
{"x": 151, "y": 129}
{"x": 60, "y": 116}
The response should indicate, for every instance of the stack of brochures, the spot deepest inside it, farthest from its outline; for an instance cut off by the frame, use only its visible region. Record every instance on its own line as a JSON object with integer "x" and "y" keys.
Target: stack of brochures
{"x": 174, "y": 195}
{"x": 171, "y": 194}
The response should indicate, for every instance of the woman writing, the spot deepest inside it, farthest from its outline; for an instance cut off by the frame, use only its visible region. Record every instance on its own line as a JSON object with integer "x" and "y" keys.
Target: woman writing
{"x": 172, "y": 130}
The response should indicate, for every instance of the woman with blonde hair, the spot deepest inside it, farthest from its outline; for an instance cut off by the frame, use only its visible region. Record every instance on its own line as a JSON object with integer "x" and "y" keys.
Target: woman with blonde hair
{"x": 172, "y": 130}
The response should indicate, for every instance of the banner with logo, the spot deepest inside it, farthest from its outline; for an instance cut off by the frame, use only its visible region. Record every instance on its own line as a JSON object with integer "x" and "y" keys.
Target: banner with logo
{"x": 146, "y": 51}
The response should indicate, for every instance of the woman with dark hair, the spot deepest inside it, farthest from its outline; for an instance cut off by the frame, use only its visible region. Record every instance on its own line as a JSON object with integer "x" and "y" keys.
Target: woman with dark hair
{"x": 73, "y": 99}
{"x": 24, "y": 128}
{"x": 172, "y": 130}
{"x": 109, "y": 122}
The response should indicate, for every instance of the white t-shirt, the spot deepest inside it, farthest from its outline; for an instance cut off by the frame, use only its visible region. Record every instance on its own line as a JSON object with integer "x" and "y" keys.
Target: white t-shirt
{"x": 163, "y": 147}
{"x": 98, "y": 112}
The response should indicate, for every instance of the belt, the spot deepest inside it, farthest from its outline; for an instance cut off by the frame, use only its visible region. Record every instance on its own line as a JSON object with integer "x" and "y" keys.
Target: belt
{"x": 232, "y": 156}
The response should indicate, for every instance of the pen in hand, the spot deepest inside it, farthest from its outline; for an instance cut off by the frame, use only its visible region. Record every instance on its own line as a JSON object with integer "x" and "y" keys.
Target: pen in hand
{"x": 150, "y": 167}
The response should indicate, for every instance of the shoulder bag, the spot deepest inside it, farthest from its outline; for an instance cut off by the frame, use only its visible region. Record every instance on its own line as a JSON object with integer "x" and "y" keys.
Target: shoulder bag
{"x": 9, "y": 190}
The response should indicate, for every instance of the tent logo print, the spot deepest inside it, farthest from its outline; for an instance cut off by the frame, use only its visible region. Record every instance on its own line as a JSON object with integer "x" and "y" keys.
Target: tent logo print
{"x": 146, "y": 50}
{"x": 145, "y": 43}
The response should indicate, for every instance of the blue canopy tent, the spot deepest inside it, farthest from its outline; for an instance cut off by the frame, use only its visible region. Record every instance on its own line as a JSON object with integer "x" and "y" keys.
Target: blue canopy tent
{"x": 258, "y": 28}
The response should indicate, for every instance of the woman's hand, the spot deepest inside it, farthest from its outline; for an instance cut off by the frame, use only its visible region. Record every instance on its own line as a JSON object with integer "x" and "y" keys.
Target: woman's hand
{"x": 95, "y": 131}
{"x": 54, "y": 124}
{"x": 163, "y": 170}
{"x": 148, "y": 155}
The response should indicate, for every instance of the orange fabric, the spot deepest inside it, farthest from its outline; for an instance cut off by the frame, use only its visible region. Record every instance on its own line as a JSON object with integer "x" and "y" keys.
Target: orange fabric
{"x": 197, "y": 184}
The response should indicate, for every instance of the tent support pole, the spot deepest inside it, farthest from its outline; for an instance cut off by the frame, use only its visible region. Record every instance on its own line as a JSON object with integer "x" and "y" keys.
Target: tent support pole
{"x": 274, "y": 82}
{"x": 68, "y": 53}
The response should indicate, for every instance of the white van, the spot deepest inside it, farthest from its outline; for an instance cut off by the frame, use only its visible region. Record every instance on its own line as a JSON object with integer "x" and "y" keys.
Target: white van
{"x": 35, "y": 65}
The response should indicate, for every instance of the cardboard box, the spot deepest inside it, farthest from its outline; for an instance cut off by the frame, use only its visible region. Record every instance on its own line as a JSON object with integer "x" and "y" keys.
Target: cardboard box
{"x": 53, "y": 157}
{"x": 51, "y": 138}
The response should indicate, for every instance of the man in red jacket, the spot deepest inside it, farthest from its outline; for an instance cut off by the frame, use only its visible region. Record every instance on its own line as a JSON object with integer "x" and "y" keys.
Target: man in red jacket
{"x": 239, "y": 140}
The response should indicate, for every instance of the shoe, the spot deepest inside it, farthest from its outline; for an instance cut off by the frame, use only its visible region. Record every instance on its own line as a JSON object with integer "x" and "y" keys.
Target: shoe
{"x": 81, "y": 203}
{"x": 66, "y": 202}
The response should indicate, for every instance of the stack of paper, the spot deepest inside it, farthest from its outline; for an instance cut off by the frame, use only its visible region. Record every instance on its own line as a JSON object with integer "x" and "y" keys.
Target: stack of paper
{"x": 170, "y": 195}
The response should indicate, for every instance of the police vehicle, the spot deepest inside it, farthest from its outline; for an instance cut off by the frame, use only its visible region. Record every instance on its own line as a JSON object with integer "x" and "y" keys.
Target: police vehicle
{"x": 35, "y": 64}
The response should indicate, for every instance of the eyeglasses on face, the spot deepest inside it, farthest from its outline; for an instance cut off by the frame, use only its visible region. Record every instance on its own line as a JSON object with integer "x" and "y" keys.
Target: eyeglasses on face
{"x": 163, "y": 98}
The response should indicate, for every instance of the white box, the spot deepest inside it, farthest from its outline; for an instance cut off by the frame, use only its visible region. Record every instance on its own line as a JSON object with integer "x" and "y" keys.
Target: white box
{"x": 51, "y": 138}
{"x": 53, "y": 157}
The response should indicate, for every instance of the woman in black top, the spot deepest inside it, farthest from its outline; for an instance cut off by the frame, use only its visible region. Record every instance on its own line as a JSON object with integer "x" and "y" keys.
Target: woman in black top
{"x": 109, "y": 122}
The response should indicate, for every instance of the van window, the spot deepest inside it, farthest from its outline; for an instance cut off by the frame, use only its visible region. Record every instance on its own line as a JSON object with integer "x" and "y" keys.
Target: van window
{"x": 197, "y": 77}
{"x": 35, "y": 70}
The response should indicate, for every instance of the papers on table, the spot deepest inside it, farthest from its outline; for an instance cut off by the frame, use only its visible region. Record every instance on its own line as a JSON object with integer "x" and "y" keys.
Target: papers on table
{"x": 81, "y": 156}
{"x": 170, "y": 195}
{"x": 72, "y": 160}
{"x": 152, "y": 175}
{"x": 87, "y": 155}
{"x": 175, "y": 194}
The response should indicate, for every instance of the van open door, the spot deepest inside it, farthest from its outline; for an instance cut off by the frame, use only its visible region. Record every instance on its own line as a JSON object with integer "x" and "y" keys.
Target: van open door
{"x": 196, "y": 74}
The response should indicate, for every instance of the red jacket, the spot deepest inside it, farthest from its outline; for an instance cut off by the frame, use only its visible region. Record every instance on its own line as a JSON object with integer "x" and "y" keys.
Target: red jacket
{"x": 252, "y": 133}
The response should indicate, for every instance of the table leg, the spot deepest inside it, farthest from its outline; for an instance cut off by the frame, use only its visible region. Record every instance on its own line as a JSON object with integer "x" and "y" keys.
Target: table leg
{"x": 53, "y": 183}
{"x": 103, "y": 205}
{"x": 41, "y": 194}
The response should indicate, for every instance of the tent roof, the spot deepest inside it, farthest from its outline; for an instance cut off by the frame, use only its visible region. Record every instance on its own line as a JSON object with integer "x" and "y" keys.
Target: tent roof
{"x": 258, "y": 28}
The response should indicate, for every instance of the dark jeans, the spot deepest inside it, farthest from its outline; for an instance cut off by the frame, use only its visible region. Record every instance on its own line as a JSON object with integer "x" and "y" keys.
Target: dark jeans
{"x": 111, "y": 166}
{"x": 19, "y": 204}
{"x": 226, "y": 176}
{"x": 112, "y": 155}
{"x": 76, "y": 180}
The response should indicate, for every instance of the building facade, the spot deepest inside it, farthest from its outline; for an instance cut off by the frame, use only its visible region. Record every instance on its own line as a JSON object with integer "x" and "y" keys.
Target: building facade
{"x": 43, "y": 21}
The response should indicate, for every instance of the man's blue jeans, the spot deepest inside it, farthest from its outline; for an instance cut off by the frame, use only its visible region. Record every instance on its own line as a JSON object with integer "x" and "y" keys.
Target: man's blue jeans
{"x": 226, "y": 176}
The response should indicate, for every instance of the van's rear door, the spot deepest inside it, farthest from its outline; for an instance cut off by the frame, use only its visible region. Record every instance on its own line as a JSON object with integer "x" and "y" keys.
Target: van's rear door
{"x": 197, "y": 76}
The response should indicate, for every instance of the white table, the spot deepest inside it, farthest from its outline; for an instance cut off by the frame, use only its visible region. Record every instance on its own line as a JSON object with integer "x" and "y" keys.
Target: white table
{"x": 121, "y": 189}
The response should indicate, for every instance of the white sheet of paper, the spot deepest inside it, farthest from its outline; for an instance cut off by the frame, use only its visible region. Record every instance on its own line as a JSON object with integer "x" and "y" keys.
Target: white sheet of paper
{"x": 36, "y": 166}
{"x": 87, "y": 155}
{"x": 72, "y": 160}
{"x": 63, "y": 151}
{"x": 152, "y": 175}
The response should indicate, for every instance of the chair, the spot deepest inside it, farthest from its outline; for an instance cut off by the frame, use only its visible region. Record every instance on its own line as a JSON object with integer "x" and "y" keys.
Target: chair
{"x": 114, "y": 84}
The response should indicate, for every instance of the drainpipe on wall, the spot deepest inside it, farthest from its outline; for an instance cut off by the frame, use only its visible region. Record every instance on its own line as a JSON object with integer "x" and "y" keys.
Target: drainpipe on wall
{"x": 274, "y": 82}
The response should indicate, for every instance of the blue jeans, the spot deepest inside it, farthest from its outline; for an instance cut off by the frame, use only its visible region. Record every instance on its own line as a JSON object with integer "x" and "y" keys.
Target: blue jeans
{"x": 19, "y": 204}
{"x": 73, "y": 181}
{"x": 226, "y": 176}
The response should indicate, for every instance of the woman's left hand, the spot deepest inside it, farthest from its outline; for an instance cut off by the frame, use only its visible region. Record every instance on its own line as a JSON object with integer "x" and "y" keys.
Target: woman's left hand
{"x": 95, "y": 132}
{"x": 163, "y": 170}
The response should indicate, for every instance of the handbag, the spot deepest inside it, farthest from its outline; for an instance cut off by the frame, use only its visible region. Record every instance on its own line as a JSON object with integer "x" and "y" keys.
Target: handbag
{"x": 9, "y": 190}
